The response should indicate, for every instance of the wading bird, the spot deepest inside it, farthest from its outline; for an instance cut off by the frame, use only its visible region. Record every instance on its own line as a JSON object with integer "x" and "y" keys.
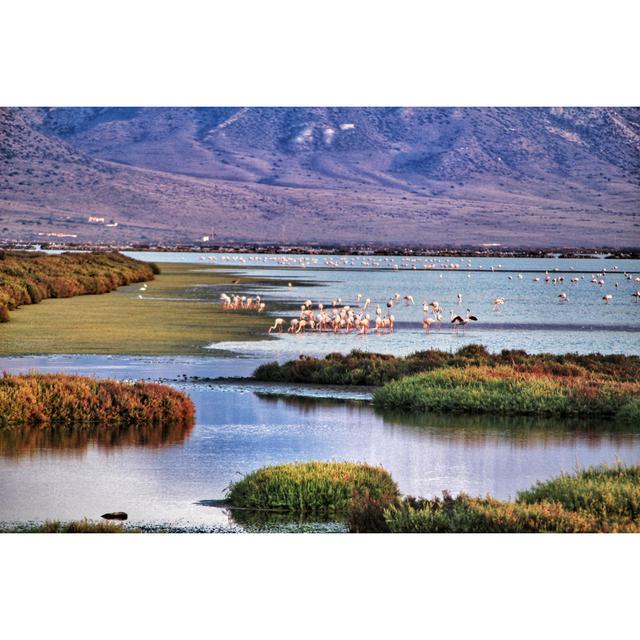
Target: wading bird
{"x": 458, "y": 321}
{"x": 278, "y": 324}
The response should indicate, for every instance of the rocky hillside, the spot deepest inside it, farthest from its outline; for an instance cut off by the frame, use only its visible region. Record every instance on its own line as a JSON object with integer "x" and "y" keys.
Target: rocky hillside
{"x": 431, "y": 176}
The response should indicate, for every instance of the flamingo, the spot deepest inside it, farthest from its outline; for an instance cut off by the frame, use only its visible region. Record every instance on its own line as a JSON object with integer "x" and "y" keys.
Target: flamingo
{"x": 408, "y": 299}
{"x": 426, "y": 323}
{"x": 607, "y": 298}
{"x": 458, "y": 320}
{"x": 636, "y": 295}
{"x": 497, "y": 303}
{"x": 563, "y": 297}
{"x": 278, "y": 324}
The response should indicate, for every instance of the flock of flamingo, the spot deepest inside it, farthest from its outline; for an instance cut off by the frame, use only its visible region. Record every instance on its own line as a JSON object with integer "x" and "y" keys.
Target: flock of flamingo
{"x": 362, "y": 317}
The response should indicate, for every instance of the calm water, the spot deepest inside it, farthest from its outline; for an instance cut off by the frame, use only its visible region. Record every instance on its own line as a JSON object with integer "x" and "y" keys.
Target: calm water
{"x": 161, "y": 480}
{"x": 164, "y": 478}
{"x": 533, "y": 317}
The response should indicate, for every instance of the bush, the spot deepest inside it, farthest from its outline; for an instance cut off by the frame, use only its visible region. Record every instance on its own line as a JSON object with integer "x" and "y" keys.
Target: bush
{"x": 323, "y": 488}
{"x": 629, "y": 412}
{"x": 366, "y": 512}
{"x": 47, "y": 400}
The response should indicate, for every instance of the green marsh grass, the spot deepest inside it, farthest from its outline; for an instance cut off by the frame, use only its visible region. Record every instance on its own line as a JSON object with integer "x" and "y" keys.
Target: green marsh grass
{"x": 596, "y": 500}
{"x": 179, "y": 314}
{"x": 501, "y": 390}
{"x": 324, "y": 488}
{"x": 74, "y": 526}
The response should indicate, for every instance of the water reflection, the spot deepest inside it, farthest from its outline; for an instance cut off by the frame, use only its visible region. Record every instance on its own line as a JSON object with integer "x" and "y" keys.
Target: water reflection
{"x": 480, "y": 430}
{"x": 30, "y": 441}
{"x": 164, "y": 477}
{"x": 260, "y": 520}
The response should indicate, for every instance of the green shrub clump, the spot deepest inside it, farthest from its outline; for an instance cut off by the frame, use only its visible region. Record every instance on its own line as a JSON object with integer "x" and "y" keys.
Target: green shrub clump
{"x": 320, "y": 488}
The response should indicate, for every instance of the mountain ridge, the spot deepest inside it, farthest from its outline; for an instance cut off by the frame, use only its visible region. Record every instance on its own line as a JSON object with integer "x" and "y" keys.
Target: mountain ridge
{"x": 427, "y": 176}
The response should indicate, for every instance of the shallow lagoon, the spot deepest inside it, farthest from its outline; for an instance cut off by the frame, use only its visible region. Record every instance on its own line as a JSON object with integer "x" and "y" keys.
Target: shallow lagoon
{"x": 533, "y": 317}
{"x": 241, "y": 427}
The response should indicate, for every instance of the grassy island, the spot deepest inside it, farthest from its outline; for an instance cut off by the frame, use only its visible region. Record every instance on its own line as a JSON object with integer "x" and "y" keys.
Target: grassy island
{"x": 28, "y": 277}
{"x": 49, "y": 400}
{"x": 503, "y": 390}
{"x": 473, "y": 380}
{"x": 376, "y": 369}
{"x": 320, "y": 488}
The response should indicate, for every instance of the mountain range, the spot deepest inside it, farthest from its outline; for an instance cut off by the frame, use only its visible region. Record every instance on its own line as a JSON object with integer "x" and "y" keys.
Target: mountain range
{"x": 519, "y": 177}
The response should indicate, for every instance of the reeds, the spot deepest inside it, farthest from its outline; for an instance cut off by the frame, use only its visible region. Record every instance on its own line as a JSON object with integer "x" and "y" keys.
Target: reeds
{"x": 321, "y": 488}
{"x": 49, "y": 400}
{"x": 30, "y": 277}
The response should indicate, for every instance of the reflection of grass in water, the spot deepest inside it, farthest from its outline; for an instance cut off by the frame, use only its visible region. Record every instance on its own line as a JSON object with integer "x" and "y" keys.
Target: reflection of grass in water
{"x": 308, "y": 405}
{"x": 473, "y": 428}
{"x": 175, "y": 317}
{"x": 275, "y": 522}
{"x": 526, "y": 430}
{"x": 32, "y": 440}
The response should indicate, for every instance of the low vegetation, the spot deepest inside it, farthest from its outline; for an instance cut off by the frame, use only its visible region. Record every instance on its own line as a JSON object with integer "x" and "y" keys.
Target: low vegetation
{"x": 74, "y": 526}
{"x": 319, "y": 488}
{"x": 375, "y": 369}
{"x": 179, "y": 313}
{"x": 47, "y": 400}
{"x": 29, "y": 277}
{"x": 596, "y": 500}
{"x": 503, "y": 390}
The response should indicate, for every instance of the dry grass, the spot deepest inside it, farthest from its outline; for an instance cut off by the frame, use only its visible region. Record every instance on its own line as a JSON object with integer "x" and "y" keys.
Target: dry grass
{"x": 47, "y": 400}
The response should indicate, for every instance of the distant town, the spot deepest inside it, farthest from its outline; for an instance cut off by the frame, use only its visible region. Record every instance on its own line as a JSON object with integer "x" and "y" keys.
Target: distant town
{"x": 65, "y": 242}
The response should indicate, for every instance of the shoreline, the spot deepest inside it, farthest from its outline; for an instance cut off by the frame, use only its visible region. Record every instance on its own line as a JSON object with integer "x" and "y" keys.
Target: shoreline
{"x": 473, "y": 251}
